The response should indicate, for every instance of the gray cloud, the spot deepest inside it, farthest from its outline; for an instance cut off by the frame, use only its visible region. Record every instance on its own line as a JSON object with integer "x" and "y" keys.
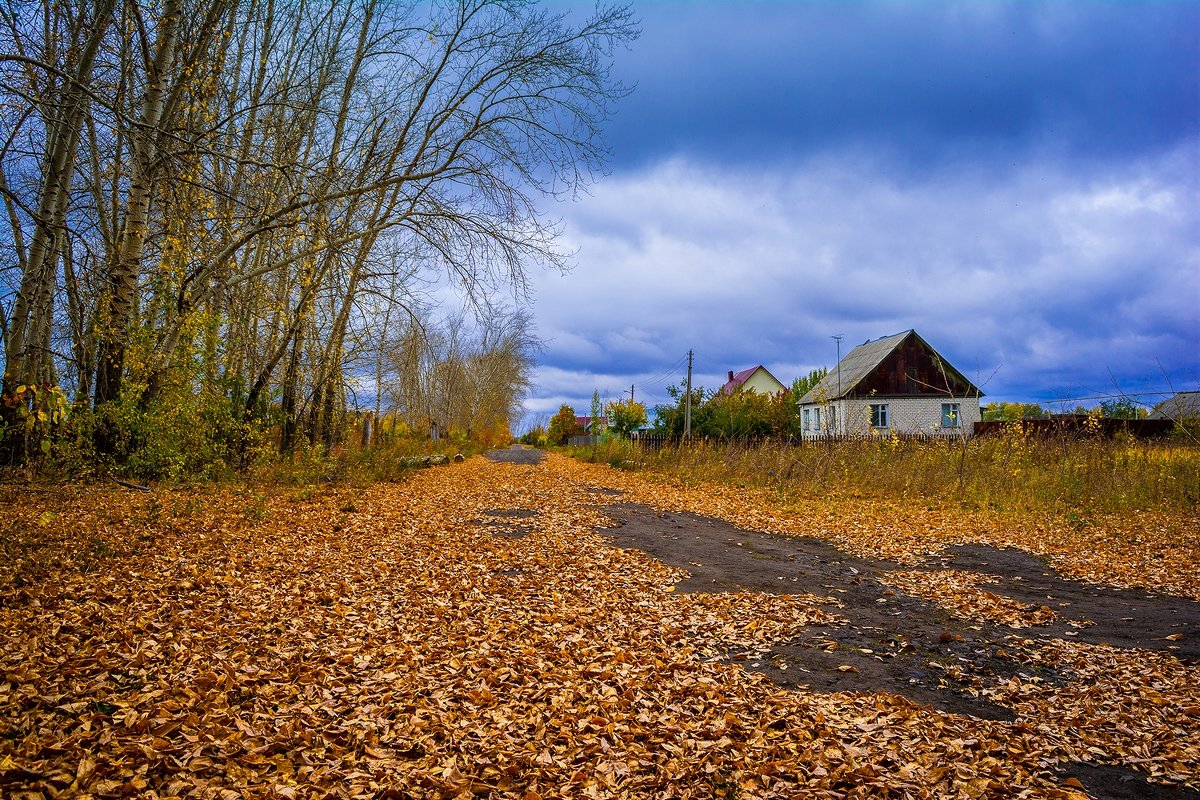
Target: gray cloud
{"x": 1017, "y": 181}
{"x": 927, "y": 82}
{"x": 1060, "y": 282}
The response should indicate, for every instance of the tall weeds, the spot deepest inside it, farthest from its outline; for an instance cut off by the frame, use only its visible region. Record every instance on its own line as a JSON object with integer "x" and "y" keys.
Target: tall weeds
{"x": 1013, "y": 472}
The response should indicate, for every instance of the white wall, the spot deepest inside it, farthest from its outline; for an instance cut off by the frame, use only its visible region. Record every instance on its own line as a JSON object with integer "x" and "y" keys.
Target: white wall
{"x": 905, "y": 415}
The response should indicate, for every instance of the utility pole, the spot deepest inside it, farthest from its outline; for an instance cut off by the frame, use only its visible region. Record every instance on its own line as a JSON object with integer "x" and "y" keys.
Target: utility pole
{"x": 631, "y": 392}
{"x": 838, "y": 338}
{"x": 687, "y": 402}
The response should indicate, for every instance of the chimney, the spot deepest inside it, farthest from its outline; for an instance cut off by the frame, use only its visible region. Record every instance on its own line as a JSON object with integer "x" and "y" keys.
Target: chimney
{"x": 731, "y": 376}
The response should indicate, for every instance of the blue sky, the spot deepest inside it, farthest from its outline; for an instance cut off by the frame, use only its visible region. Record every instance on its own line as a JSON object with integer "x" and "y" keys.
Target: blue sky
{"x": 1018, "y": 181}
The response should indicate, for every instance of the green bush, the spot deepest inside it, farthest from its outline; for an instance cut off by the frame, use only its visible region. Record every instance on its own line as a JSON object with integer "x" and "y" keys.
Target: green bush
{"x": 185, "y": 437}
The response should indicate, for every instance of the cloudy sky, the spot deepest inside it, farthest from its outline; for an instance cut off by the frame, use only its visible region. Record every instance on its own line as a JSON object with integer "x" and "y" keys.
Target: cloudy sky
{"x": 1018, "y": 181}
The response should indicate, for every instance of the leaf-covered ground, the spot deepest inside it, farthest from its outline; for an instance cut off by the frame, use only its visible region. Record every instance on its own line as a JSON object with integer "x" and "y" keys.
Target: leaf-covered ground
{"x": 470, "y": 633}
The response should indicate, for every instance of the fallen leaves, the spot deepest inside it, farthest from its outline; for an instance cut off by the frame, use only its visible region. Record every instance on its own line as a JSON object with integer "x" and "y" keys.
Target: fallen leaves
{"x": 1112, "y": 706}
{"x": 748, "y": 621}
{"x": 272, "y": 645}
{"x": 1150, "y": 550}
{"x": 958, "y": 591}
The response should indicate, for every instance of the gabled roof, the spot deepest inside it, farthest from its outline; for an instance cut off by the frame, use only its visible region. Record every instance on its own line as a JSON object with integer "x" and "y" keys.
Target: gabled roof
{"x": 857, "y": 364}
{"x": 1185, "y": 405}
{"x": 864, "y": 360}
{"x": 737, "y": 379}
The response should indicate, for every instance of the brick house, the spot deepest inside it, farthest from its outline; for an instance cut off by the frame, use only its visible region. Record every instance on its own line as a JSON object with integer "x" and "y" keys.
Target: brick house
{"x": 896, "y": 384}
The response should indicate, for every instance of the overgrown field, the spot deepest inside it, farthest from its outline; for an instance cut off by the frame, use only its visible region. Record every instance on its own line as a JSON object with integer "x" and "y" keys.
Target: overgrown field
{"x": 1064, "y": 476}
{"x": 468, "y": 632}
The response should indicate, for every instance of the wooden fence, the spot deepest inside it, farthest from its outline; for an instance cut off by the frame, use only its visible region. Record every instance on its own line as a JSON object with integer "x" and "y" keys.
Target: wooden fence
{"x": 659, "y": 441}
{"x": 1071, "y": 426}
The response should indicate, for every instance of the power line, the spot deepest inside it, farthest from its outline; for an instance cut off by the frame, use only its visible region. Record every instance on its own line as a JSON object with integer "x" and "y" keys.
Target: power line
{"x": 1102, "y": 397}
{"x": 666, "y": 374}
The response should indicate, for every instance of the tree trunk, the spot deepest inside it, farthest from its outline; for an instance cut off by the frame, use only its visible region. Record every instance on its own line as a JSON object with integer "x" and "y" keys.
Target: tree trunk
{"x": 117, "y": 311}
{"x": 26, "y": 346}
{"x": 287, "y": 403}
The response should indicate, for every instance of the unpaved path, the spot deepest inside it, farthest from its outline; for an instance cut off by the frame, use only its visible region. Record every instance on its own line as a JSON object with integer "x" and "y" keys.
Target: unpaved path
{"x": 893, "y": 642}
{"x": 466, "y": 632}
{"x": 517, "y": 454}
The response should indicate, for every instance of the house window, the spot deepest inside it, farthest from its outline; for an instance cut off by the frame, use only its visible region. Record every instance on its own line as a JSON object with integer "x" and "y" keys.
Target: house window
{"x": 816, "y": 419}
{"x": 879, "y": 415}
{"x": 807, "y": 423}
{"x": 833, "y": 418}
{"x": 950, "y": 418}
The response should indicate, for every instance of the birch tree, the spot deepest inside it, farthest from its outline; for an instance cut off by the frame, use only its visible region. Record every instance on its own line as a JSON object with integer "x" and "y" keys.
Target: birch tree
{"x": 46, "y": 74}
{"x": 205, "y": 190}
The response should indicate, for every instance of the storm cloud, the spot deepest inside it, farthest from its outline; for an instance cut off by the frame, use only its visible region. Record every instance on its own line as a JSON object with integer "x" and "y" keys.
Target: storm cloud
{"x": 1018, "y": 182}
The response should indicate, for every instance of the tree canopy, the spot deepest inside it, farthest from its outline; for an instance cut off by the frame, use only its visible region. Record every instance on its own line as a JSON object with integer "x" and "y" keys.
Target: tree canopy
{"x": 733, "y": 415}
{"x": 1010, "y": 412}
{"x": 563, "y": 426}
{"x": 224, "y": 218}
{"x": 625, "y": 416}
{"x": 804, "y": 383}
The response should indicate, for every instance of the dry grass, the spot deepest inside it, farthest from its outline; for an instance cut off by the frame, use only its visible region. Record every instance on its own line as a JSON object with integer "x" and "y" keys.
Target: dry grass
{"x": 1012, "y": 473}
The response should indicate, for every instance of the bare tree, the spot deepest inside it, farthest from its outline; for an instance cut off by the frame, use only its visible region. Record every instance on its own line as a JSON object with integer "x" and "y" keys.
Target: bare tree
{"x": 496, "y": 100}
{"x": 49, "y": 70}
{"x": 219, "y": 182}
{"x": 466, "y": 376}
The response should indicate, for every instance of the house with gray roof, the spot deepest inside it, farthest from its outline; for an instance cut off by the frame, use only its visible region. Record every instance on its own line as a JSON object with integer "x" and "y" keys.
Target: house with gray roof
{"x": 1180, "y": 408}
{"x": 895, "y": 384}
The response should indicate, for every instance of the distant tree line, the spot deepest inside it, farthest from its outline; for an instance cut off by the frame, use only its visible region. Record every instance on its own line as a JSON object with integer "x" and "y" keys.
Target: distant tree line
{"x": 620, "y": 419}
{"x": 742, "y": 414}
{"x": 734, "y": 415}
{"x": 1113, "y": 408}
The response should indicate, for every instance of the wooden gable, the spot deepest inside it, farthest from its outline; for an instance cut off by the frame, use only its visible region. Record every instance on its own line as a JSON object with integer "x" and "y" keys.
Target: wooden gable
{"x": 913, "y": 368}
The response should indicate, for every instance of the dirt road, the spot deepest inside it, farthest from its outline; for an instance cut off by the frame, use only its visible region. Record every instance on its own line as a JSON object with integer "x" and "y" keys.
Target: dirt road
{"x": 523, "y": 627}
{"x": 887, "y": 640}
{"x": 905, "y": 645}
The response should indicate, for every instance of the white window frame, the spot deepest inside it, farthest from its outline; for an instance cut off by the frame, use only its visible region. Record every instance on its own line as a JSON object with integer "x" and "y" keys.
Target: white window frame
{"x": 807, "y": 419}
{"x": 878, "y": 415}
{"x": 952, "y": 414}
{"x": 817, "y": 418}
